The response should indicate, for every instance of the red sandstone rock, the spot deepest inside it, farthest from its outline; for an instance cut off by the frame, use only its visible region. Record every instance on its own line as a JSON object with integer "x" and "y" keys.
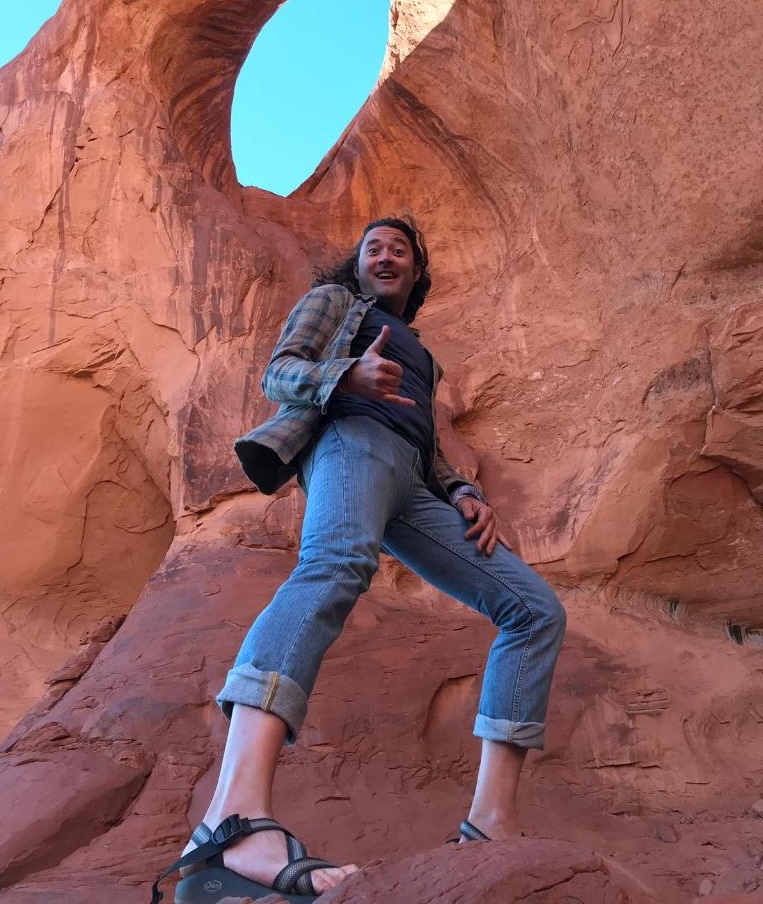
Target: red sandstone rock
{"x": 732, "y": 899}
{"x": 588, "y": 180}
{"x": 524, "y": 870}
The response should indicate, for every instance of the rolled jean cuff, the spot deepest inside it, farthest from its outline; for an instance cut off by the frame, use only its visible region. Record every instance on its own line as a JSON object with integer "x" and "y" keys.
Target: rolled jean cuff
{"x": 271, "y": 692}
{"x": 530, "y": 735}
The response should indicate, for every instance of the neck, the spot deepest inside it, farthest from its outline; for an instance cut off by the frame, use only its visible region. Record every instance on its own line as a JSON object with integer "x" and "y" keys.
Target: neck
{"x": 391, "y": 307}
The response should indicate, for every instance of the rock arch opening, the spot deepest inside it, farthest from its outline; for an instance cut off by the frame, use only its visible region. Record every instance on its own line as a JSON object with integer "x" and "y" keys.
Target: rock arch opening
{"x": 307, "y": 75}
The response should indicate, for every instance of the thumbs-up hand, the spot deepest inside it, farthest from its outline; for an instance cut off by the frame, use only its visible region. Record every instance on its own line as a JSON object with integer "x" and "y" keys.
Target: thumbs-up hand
{"x": 375, "y": 377}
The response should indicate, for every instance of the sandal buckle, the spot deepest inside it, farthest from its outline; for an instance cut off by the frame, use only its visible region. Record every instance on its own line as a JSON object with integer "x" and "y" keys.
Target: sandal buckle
{"x": 231, "y": 827}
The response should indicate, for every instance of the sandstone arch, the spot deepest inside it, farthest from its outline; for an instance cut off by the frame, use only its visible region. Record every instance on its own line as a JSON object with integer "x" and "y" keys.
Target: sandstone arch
{"x": 589, "y": 182}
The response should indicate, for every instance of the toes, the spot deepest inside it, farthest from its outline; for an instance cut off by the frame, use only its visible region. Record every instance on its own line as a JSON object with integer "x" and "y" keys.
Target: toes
{"x": 324, "y": 879}
{"x": 348, "y": 870}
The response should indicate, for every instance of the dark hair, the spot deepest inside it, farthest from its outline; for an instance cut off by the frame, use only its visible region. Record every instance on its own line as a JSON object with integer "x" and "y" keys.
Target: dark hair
{"x": 343, "y": 273}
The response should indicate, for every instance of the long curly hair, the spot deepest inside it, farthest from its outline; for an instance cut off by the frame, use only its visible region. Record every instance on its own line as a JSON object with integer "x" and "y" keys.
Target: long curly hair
{"x": 343, "y": 273}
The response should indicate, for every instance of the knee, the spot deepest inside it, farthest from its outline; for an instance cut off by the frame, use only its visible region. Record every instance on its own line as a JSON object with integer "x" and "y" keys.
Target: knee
{"x": 553, "y": 614}
{"x": 360, "y": 569}
{"x": 538, "y": 611}
{"x": 351, "y": 568}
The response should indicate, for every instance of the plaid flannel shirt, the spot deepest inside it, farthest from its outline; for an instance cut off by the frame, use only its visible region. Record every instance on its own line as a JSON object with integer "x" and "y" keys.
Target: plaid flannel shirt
{"x": 310, "y": 357}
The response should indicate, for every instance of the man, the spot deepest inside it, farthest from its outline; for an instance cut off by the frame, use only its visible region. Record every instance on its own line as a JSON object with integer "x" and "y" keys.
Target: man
{"x": 356, "y": 425}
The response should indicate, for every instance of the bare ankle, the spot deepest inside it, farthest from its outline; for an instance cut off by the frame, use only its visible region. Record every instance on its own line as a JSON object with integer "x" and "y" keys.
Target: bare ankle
{"x": 497, "y": 826}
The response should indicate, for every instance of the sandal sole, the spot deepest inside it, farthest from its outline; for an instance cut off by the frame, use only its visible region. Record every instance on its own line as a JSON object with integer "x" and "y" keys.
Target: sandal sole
{"x": 213, "y": 884}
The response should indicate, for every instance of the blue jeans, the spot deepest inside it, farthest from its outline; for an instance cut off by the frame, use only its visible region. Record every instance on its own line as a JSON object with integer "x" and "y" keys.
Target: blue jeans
{"x": 365, "y": 493}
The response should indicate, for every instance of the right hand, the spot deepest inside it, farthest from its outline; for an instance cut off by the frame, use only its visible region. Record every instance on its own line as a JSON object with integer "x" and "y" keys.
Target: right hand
{"x": 375, "y": 377}
{"x": 484, "y": 524}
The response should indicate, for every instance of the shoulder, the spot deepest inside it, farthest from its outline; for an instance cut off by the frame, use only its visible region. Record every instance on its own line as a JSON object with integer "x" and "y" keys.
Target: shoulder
{"x": 330, "y": 293}
{"x": 331, "y": 303}
{"x": 322, "y": 303}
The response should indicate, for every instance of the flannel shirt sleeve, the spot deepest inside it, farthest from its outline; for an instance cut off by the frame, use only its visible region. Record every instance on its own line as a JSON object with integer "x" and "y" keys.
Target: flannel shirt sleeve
{"x": 450, "y": 479}
{"x": 303, "y": 369}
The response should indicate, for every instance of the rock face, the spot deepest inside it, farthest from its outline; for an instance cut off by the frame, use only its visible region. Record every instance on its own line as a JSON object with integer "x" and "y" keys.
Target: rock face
{"x": 589, "y": 183}
{"x": 525, "y": 870}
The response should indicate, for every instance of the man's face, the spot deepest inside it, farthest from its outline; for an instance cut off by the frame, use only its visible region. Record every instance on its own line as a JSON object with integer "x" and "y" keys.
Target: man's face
{"x": 386, "y": 268}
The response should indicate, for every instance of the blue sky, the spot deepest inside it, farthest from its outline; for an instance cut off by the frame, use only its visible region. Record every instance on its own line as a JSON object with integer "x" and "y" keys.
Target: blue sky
{"x": 309, "y": 72}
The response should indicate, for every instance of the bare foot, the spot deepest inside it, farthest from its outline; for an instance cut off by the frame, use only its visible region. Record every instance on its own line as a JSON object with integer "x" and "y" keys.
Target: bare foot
{"x": 263, "y": 855}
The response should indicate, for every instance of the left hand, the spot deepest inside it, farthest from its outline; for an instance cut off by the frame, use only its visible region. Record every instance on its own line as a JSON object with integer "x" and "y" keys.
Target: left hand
{"x": 484, "y": 524}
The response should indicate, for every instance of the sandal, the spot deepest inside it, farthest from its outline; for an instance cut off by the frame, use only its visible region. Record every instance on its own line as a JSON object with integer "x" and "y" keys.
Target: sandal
{"x": 470, "y": 832}
{"x": 216, "y": 881}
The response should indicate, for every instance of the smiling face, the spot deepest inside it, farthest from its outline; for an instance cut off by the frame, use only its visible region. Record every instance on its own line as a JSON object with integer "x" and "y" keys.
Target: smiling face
{"x": 386, "y": 268}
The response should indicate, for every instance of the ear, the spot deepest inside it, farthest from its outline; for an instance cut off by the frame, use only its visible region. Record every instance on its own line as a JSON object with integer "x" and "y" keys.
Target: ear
{"x": 416, "y": 273}
{"x": 355, "y": 270}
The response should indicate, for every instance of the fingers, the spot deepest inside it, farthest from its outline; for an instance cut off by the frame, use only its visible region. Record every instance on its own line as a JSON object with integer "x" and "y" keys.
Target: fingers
{"x": 381, "y": 340}
{"x": 398, "y": 400}
{"x": 484, "y": 525}
{"x": 388, "y": 378}
{"x": 375, "y": 377}
{"x": 484, "y": 528}
{"x": 491, "y": 541}
{"x": 382, "y": 376}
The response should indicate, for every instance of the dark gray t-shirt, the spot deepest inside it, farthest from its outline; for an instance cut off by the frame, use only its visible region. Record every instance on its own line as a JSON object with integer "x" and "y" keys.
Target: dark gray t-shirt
{"x": 414, "y": 423}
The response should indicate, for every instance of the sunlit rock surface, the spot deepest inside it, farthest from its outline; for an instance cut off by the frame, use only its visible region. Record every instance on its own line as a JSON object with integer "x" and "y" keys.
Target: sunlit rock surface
{"x": 588, "y": 179}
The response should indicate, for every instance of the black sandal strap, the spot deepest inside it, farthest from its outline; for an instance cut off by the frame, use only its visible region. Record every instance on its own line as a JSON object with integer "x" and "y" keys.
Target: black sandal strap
{"x": 295, "y": 878}
{"x": 201, "y": 834}
{"x": 295, "y": 850}
{"x": 197, "y": 855}
{"x": 471, "y": 832}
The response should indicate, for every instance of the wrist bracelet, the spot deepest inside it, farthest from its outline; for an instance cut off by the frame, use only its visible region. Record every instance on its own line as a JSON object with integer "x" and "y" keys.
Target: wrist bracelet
{"x": 466, "y": 489}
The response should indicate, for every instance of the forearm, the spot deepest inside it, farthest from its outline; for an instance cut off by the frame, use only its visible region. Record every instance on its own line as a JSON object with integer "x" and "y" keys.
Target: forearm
{"x": 294, "y": 380}
{"x": 306, "y": 364}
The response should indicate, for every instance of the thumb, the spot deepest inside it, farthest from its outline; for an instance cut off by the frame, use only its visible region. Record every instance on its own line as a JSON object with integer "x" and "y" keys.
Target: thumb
{"x": 381, "y": 340}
